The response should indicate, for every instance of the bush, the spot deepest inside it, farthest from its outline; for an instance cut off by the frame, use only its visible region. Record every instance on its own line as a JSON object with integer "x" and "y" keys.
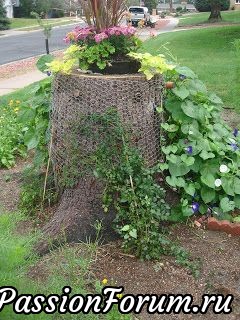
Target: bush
{"x": 179, "y": 9}
{"x": 4, "y": 21}
{"x": 204, "y": 6}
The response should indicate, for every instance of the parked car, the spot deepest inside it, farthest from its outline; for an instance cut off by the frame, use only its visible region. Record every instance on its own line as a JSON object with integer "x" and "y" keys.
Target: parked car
{"x": 137, "y": 14}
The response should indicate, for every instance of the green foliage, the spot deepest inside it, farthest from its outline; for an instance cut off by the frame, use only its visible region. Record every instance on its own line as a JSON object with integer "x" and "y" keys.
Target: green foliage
{"x": 129, "y": 186}
{"x": 202, "y": 153}
{"x": 34, "y": 115}
{"x": 4, "y": 22}
{"x": 11, "y": 134}
{"x": 151, "y": 4}
{"x": 204, "y": 5}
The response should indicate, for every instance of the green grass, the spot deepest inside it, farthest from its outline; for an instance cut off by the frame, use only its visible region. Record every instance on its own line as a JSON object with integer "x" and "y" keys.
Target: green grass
{"x": 210, "y": 53}
{"x": 200, "y": 18}
{"x": 27, "y": 23}
{"x": 67, "y": 266}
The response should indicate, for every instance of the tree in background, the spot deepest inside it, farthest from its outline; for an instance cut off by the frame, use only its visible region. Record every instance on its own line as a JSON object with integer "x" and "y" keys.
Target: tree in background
{"x": 150, "y": 4}
{"x": 4, "y": 21}
{"x": 214, "y": 6}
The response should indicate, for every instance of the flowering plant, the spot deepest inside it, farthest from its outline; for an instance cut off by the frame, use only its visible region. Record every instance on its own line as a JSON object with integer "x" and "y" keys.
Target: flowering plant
{"x": 202, "y": 156}
{"x": 100, "y": 48}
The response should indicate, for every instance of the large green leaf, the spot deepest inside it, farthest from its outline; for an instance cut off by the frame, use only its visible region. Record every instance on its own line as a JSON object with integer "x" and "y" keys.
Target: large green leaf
{"x": 227, "y": 205}
{"x": 208, "y": 180}
{"x": 206, "y": 155}
{"x": 190, "y": 189}
{"x": 237, "y": 185}
{"x": 186, "y": 72}
{"x": 178, "y": 169}
{"x": 228, "y": 185}
{"x": 182, "y": 92}
{"x": 207, "y": 194}
{"x": 190, "y": 109}
{"x": 31, "y": 139}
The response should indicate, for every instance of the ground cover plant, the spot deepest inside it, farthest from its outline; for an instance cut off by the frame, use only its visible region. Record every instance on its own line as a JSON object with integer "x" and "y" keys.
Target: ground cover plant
{"x": 230, "y": 17}
{"x": 210, "y": 53}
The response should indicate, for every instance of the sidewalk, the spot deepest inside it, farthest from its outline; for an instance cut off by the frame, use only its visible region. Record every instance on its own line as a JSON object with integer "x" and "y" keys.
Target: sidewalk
{"x": 21, "y": 81}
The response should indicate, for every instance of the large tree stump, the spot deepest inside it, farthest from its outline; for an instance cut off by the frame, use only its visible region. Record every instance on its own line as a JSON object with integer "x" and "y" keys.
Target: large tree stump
{"x": 77, "y": 94}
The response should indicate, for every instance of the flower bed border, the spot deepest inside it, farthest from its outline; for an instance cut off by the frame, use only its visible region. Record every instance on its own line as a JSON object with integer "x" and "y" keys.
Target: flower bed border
{"x": 224, "y": 226}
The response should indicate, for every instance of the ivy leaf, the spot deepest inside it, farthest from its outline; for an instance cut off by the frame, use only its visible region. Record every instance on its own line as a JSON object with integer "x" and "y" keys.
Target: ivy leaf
{"x": 206, "y": 155}
{"x": 181, "y": 92}
{"x": 163, "y": 166}
{"x": 133, "y": 233}
{"x": 172, "y": 158}
{"x": 170, "y": 149}
{"x": 207, "y": 194}
{"x": 125, "y": 228}
{"x": 227, "y": 205}
{"x": 189, "y": 161}
{"x": 169, "y": 128}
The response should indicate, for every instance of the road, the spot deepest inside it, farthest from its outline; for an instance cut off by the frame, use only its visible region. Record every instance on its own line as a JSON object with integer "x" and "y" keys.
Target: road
{"x": 21, "y": 46}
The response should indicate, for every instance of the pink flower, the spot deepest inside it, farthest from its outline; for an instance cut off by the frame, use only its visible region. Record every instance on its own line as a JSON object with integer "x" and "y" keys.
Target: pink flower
{"x": 100, "y": 37}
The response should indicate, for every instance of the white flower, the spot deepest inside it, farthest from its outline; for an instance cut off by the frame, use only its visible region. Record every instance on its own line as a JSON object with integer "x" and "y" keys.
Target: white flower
{"x": 218, "y": 182}
{"x": 223, "y": 168}
{"x": 190, "y": 132}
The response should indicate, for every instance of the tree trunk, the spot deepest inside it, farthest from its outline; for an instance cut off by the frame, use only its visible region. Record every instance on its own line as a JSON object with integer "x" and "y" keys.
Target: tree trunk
{"x": 215, "y": 14}
{"x": 171, "y": 5}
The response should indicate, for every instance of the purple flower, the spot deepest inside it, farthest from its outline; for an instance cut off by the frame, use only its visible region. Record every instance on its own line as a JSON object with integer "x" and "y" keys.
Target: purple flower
{"x": 189, "y": 150}
{"x": 182, "y": 77}
{"x": 49, "y": 73}
{"x": 235, "y": 132}
{"x": 234, "y": 146}
{"x": 195, "y": 207}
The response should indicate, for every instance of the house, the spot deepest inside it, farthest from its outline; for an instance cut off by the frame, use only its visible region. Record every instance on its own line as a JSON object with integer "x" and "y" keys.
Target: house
{"x": 8, "y": 5}
{"x": 235, "y": 4}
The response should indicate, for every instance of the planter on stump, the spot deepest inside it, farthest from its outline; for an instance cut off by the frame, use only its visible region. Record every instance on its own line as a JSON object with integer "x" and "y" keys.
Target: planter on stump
{"x": 78, "y": 95}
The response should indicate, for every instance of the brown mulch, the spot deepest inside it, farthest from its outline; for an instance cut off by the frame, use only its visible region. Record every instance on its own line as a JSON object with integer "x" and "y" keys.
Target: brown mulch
{"x": 20, "y": 67}
{"x": 219, "y": 257}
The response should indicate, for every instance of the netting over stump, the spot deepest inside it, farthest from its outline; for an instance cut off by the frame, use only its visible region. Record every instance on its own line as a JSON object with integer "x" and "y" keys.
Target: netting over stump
{"x": 78, "y": 95}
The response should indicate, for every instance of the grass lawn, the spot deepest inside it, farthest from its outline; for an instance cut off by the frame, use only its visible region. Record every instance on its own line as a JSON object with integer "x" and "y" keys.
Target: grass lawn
{"x": 17, "y": 23}
{"x": 210, "y": 53}
{"x": 199, "y": 18}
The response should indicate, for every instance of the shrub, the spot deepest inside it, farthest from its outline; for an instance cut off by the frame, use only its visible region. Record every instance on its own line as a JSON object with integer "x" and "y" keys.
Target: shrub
{"x": 4, "y": 22}
{"x": 204, "y": 6}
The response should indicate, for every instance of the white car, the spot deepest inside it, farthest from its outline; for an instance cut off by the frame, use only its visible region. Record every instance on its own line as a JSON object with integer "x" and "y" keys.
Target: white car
{"x": 137, "y": 14}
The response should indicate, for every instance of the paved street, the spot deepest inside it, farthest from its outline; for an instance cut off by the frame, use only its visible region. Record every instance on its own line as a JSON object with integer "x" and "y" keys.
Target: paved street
{"x": 17, "y": 47}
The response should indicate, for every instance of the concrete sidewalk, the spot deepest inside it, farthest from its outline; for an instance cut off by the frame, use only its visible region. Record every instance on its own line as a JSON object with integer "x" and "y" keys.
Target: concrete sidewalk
{"x": 19, "y": 82}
